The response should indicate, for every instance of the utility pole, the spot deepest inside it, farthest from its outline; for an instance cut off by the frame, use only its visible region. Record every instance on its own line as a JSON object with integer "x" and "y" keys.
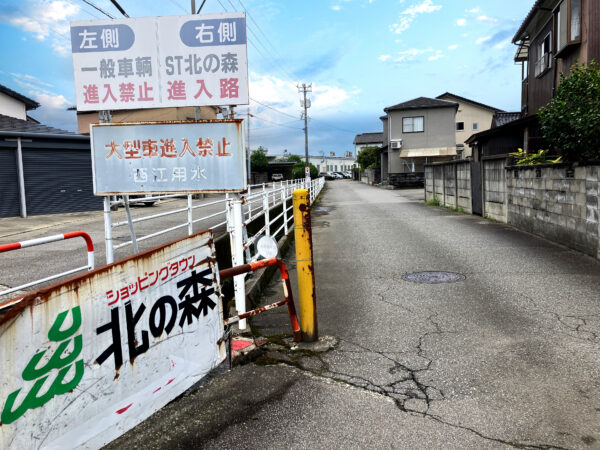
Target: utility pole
{"x": 305, "y": 104}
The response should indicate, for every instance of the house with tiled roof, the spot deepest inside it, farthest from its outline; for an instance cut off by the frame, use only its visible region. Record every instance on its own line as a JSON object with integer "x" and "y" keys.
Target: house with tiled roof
{"x": 367, "y": 140}
{"x": 419, "y": 131}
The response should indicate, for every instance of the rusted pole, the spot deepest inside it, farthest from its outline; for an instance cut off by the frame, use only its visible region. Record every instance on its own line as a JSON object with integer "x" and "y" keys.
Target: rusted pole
{"x": 305, "y": 266}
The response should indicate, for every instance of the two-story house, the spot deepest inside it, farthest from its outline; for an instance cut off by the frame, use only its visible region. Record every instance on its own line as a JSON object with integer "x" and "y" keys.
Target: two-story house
{"x": 416, "y": 132}
{"x": 555, "y": 35}
{"x": 471, "y": 117}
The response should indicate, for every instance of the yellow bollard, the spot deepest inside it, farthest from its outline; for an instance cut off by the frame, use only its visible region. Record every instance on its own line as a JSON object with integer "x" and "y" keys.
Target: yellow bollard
{"x": 305, "y": 267}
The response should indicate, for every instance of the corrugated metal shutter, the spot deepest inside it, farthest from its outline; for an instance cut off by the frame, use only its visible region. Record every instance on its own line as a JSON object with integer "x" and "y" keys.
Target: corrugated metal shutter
{"x": 10, "y": 205}
{"x": 59, "y": 181}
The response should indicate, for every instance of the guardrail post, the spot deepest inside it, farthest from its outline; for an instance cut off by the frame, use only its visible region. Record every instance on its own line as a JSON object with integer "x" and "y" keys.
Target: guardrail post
{"x": 190, "y": 215}
{"x": 108, "y": 232}
{"x": 305, "y": 266}
{"x": 236, "y": 239}
{"x": 266, "y": 211}
{"x": 285, "y": 216}
{"x": 249, "y": 202}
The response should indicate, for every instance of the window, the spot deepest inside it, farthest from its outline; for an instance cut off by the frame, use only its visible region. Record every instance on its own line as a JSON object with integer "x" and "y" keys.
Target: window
{"x": 543, "y": 61}
{"x": 567, "y": 22}
{"x": 475, "y": 126}
{"x": 460, "y": 126}
{"x": 412, "y": 124}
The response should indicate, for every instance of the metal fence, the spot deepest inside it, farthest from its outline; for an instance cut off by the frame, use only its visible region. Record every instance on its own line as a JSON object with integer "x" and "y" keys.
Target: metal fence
{"x": 237, "y": 212}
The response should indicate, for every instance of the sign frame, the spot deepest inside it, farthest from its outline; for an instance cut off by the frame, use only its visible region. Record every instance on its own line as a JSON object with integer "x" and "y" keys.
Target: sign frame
{"x": 160, "y": 62}
{"x": 225, "y": 155}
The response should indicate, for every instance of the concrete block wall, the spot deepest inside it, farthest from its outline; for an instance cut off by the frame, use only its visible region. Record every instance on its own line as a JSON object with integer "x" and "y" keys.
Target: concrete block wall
{"x": 548, "y": 201}
{"x": 494, "y": 189}
{"x": 438, "y": 183}
{"x": 449, "y": 186}
{"x": 428, "y": 183}
{"x": 463, "y": 186}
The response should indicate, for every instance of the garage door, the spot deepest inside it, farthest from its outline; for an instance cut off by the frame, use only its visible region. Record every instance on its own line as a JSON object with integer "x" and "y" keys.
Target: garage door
{"x": 59, "y": 181}
{"x": 9, "y": 184}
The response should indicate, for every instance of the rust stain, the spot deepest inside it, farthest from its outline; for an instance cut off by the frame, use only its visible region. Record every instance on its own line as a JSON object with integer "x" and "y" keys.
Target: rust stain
{"x": 41, "y": 296}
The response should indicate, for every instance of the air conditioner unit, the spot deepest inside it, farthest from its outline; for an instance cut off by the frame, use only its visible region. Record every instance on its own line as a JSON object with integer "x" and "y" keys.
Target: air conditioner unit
{"x": 397, "y": 144}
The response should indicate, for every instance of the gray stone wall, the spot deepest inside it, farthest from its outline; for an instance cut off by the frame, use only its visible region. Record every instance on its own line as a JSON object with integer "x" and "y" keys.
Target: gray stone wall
{"x": 449, "y": 184}
{"x": 547, "y": 201}
{"x": 494, "y": 189}
{"x": 463, "y": 186}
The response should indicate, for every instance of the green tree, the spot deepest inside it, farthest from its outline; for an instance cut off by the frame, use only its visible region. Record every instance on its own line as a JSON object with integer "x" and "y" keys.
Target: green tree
{"x": 258, "y": 160}
{"x": 368, "y": 157}
{"x": 298, "y": 170}
{"x": 294, "y": 158}
{"x": 571, "y": 121}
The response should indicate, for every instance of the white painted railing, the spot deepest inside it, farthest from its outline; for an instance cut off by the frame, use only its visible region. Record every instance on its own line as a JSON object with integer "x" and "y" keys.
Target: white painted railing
{"x": 237, "y": 212}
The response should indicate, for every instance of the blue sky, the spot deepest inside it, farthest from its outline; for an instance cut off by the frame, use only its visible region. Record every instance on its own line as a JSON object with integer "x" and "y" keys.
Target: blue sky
{"x": 359, "y": 55}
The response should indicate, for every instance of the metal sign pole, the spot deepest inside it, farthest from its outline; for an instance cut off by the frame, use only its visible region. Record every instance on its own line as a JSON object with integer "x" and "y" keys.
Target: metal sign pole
{"x": 236, "y": 237}
{"x": 130, "y": 224}
{"x": 110, "y": 258}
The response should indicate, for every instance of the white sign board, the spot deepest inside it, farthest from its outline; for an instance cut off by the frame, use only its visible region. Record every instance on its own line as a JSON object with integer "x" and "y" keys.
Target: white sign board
{"x": 168, "y": 157}
{"x": 162, "y": 62}
{"x": 86, "y": 360}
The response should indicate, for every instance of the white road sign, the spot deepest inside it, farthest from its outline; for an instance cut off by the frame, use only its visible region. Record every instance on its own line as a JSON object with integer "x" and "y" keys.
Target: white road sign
{"x": 184, "y": 157}
{"x": 155, "y": 62}
{"x": 88, "y": 359}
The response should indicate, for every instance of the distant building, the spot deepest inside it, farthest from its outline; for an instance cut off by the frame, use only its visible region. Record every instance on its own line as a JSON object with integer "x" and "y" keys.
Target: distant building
{"x": 367, "y": 140}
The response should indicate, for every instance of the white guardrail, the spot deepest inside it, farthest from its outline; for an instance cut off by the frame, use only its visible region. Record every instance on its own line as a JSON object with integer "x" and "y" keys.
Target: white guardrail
{"x": 237, "y": 213}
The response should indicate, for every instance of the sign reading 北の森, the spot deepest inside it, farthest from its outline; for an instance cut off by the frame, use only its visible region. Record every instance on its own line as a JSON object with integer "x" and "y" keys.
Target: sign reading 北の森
{"x": 88, "y": 359}
{"x": 158, "y": 62}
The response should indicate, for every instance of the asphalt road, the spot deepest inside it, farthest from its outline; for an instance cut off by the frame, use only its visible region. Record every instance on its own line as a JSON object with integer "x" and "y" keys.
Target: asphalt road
{"x": 508, "y": 357}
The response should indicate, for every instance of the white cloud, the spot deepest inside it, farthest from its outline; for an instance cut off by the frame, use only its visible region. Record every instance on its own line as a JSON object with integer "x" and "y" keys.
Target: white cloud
{"x": 384, "y": 57}
{"x": 336, "y": 7}
{"x": 452, "y": 47}
{"x": 325, "y": 98}
{"x": 461, "y": 22}
{"x": 410, "y": 14}
{"x": 52, "y": 101}
{"x": 486, "y": 19}
{"x": 426, "y": 6}
{"x": 482, "y": 40}
{"x": 475, "y": 10}
{"x": 437, "y": 56}
{"x": 402, "y": 25}
{"x": 48, "y": 21}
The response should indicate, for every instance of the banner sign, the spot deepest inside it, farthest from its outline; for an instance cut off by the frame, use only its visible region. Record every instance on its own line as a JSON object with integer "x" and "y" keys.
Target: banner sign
{"x": 161, "y": 62}
{"x": 88, "y": 359}
{"x": 183, "y": 157}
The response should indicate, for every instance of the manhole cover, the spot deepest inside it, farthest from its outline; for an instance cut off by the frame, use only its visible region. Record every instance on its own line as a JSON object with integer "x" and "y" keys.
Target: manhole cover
{"x": 433, "y": 277}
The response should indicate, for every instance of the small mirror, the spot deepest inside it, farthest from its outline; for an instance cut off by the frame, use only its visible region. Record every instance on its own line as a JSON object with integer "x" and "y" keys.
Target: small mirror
{"x": 267, "y": 247}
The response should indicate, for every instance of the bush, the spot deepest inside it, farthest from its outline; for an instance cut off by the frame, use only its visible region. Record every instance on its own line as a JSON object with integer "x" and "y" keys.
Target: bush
{"x": 571, "y": 121}
{"x": 527, "y": 159}
{"x": 259, "y": 161}
{"x": 298, "y": 170}
{"x": 368, "y": 157}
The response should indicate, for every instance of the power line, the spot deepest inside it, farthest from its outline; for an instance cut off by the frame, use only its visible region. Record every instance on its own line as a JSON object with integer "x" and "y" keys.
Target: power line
{"x": 270, "y": 107}
{"x": 251, "y": 41}
{"x": 121, "y": 10}
{"x": 263, "y": 33}
{"x": 98, "y": 8}
{"x": 274, "y": 123}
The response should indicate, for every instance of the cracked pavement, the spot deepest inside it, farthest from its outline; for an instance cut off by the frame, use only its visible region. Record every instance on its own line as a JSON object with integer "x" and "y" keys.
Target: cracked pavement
{"x": 507, "y": 358}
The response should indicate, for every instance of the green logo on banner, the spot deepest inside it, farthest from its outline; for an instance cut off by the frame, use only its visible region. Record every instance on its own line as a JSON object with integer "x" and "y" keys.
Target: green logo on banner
{"x": 58, "y": 361}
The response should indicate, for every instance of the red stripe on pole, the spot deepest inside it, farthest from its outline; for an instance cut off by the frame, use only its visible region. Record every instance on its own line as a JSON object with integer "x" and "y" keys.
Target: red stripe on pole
{"x": 9, "y": 247}
{"x": 84, "y": 235}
